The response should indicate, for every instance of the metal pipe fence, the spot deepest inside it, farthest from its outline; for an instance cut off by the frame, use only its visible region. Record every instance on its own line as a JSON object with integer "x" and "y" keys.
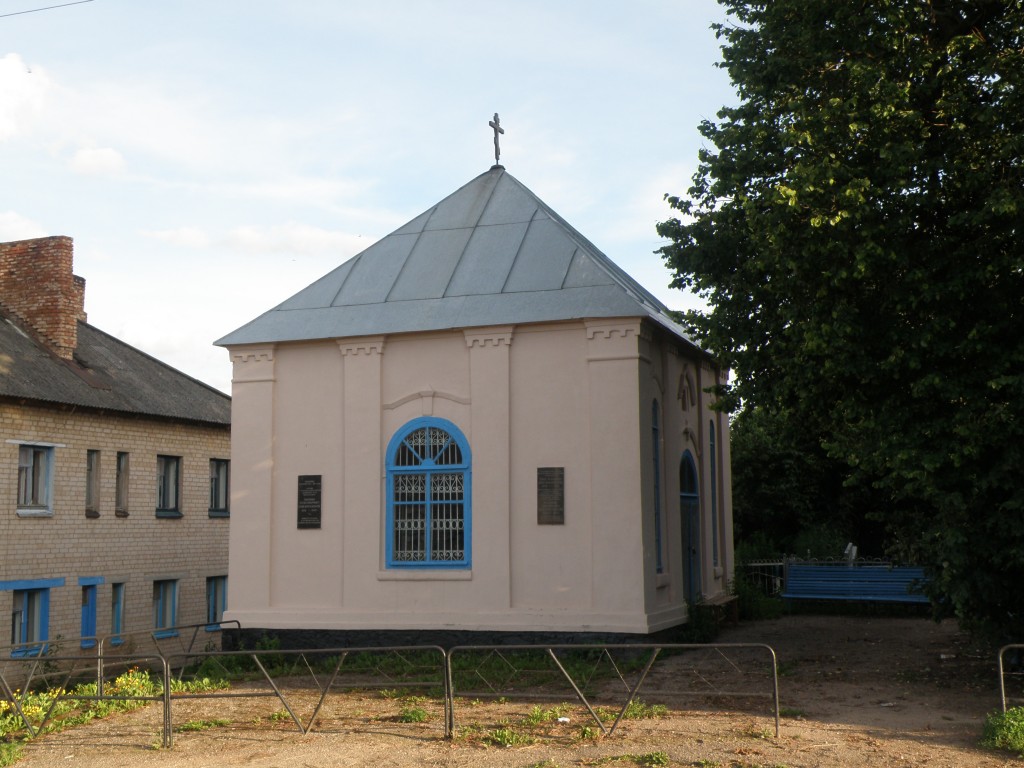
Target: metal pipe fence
{"x": 43, "y": 669}
{"x": 506, "y": 669}
{"x": 589, "y": 672}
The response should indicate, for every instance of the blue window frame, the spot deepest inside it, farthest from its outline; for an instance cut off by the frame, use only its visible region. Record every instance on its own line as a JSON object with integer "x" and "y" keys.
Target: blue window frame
{"x": 656, "y": 457}
{"x": 165, "y": 607}
{"x": 90, "y": 588}
{"x": 116, "y": 612}
{"x": 429, "y": 496}
{"x": 216, "y": 599}
{"x": 30, "y": 614}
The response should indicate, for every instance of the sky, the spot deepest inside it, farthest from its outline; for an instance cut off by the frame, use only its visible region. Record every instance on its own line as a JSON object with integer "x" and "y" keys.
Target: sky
{"x": 210, "y": 159}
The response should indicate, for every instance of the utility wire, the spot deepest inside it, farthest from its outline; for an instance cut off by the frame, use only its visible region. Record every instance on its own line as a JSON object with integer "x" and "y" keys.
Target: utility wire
{"x": 47, "y": 8}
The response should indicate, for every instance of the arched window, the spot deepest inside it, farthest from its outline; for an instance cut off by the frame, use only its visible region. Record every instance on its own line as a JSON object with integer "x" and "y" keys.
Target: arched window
{"x": 428, "y": 496}
{"x": 689, "y": 509}
{"x": 714, "y": 496}
{"x": 655, "y": 433}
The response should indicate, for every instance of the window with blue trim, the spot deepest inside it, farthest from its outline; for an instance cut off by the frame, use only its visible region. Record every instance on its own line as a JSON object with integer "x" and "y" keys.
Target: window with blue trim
{"x": 89, "y": 589}
{"x": 165, "y": 607}
{"x": 116, "y": 612}
{"x": 30, "y": 621}
{"x": 216, "y": 599}
{"x": 428, "y": 496}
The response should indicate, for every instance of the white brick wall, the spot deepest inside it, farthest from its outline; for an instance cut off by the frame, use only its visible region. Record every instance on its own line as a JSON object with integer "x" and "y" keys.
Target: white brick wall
{"x": 134, "y": 549}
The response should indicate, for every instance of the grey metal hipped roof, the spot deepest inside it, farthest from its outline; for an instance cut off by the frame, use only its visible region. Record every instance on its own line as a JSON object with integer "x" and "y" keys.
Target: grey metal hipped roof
{"x": 491, "y": 253}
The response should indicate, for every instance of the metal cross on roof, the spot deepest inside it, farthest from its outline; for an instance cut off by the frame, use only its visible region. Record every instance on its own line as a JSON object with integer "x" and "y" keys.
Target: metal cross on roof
{"x": 496, "y": 125}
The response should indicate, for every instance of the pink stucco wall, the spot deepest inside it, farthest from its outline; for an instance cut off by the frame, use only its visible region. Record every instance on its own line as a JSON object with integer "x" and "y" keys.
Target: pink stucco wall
{"x": 575, "y": 394}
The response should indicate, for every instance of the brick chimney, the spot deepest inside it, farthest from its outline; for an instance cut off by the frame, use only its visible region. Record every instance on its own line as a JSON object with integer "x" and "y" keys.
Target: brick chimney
{"x": 39, "y": 289}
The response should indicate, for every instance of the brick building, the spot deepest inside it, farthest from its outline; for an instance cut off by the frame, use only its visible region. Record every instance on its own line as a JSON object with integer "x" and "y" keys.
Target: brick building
{"x": 113, "y": 471}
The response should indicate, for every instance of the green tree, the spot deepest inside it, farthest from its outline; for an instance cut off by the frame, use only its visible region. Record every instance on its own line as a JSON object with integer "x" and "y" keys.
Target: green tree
{"x": 855, "y": 227}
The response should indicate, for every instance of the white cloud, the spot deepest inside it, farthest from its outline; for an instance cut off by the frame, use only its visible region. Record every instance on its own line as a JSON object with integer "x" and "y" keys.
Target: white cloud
{"x": 24, "y": 93}
{"x": 14, "y": 226}
{"x": 184, "y": 237}
{"x": 97, "y": 161}
{"x": 296, "y": 238}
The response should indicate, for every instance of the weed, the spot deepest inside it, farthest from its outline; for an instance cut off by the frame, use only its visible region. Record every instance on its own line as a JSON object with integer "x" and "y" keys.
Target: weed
{"x": 646, "y": 760}
{"x": 413, "y": 715}
{"x": 758, "y": 733}
{"x": 279, "y": 715}
{"x": 201, "y": 725}
{"x": 539, "y": 716}
{"x": 10, "y": 753}
{"x": 786, "y": 668}
{"x": 549, "y": 763}
{"x": 792, "y": 712}
{"x": 638, "y": 710}
{"x": 705, "y": 763}
{"x": 389, "y": 693}
{"x": 1005, "y": 730}
{"x": 650, "y": 759}
{"x": 507, "y": 737}
{"x": 587, "y": 733}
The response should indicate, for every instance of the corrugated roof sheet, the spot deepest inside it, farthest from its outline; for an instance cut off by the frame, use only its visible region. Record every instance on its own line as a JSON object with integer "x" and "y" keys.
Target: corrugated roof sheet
{"x": 105, "y": 374}
{"x": 491, "y": 253}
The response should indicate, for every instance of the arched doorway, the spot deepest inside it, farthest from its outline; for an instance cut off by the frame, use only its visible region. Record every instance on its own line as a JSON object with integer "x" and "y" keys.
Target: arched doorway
{"x": 689, "y": 512}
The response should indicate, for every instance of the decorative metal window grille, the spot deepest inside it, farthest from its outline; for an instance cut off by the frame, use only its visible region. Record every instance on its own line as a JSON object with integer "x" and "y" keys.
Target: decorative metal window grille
{"x": 428, "y": 496}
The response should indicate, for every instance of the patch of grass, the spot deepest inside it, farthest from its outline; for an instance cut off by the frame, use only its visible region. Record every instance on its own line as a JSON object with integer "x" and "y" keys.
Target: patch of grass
{"x": 508, "y": 737}
{"x": 413, "y": 714}
{"x": 705, "y": 763}
{"x": 758, "y": 733}
{"x": 792, "y": 712}
{"x": 636, "y": 710}
{"x": 10, "y": 753}
{"x": 646, "y": 760}
{"x": 202, "y": 725}
{"x": 539, "y": 716}
{"x": 786, "y": 668}
{"x": 1005, "y": 730}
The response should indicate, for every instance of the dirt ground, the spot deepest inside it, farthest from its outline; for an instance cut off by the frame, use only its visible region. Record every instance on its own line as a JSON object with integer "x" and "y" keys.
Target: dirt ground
{"x": 854, "y": 691}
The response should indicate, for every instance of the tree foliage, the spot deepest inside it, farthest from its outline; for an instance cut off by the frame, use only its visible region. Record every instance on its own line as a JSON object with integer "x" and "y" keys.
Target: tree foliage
{"x": 855, "y": 227}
